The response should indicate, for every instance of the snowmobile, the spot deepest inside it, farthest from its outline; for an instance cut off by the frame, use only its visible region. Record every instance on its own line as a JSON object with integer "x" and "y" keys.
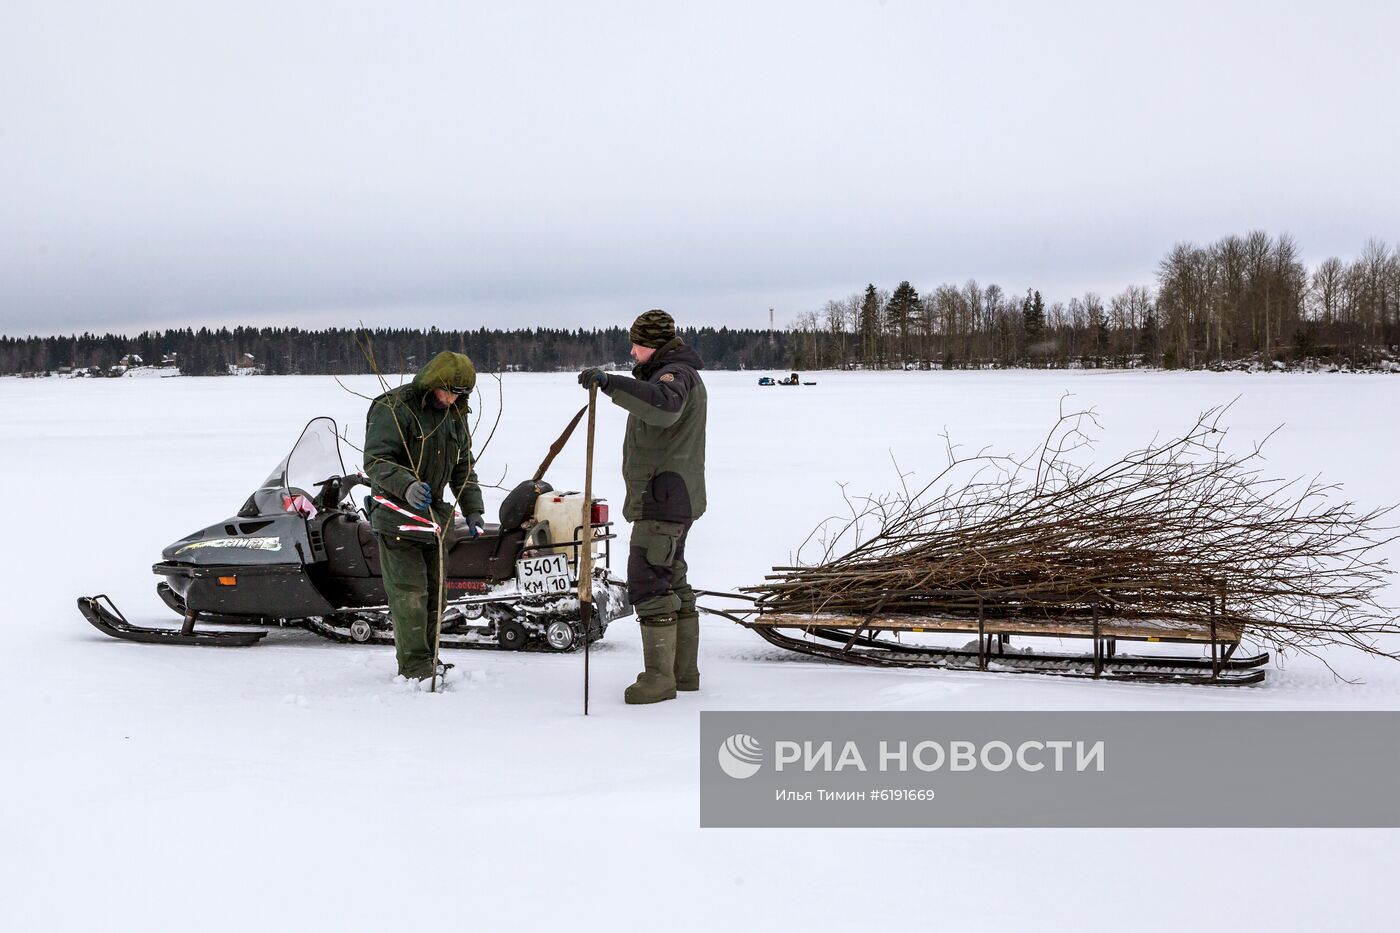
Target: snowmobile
{"x": 301, "y": 552}
{"x": 793, "y": 380}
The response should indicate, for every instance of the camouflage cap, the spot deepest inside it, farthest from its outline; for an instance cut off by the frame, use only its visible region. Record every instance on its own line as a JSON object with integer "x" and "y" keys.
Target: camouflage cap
{"x": 653, "y": 329}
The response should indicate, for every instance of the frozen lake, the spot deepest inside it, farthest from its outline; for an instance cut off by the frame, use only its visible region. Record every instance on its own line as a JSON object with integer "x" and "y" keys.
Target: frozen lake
{"x": 295, "y": 784}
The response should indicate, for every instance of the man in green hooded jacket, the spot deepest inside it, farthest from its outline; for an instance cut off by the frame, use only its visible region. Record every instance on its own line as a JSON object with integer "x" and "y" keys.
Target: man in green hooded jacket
{"x": 663, "y": 466}
{"x": 417, "y": 445}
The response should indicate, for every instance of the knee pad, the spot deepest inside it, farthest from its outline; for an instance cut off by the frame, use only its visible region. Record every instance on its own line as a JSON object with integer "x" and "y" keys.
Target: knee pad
{"x": 658, "y": 609}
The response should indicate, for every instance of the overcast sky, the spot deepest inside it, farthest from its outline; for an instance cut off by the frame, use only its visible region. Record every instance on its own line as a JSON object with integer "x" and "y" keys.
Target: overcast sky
{"x": 512, "y": 164}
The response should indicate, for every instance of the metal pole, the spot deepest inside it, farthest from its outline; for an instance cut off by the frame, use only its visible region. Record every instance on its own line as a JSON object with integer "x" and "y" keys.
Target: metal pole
{"x": 1214, "y": 654}
{"x": 1098, "y": 648}
{"x": 441, "y": 535}
{"x": 981, "y": 638}
{"x": 585, "y": 557}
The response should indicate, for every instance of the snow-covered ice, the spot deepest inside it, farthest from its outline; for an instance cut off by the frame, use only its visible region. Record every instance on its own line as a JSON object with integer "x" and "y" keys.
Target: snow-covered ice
{"x": 296, "y": 785}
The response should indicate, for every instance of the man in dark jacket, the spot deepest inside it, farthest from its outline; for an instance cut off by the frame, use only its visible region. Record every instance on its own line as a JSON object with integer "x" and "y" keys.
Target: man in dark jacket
{"x": 663, "y": 466}
{"x": 416, "y": 445}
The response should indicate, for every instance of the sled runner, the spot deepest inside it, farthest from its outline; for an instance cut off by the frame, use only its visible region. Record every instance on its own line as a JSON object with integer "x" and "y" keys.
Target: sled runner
{"x": 891, "y": 640}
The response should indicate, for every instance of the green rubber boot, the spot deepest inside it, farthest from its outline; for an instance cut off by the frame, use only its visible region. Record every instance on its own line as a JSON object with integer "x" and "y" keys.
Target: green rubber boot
{"x": 687, "y": 652}
{"x": 658, "y": 681}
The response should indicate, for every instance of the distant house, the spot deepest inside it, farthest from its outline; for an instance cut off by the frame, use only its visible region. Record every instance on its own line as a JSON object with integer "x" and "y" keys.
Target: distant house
{"x": 247, "y": 365}
{"x": 170, "y": 359}
{"x": 130, "y": 360}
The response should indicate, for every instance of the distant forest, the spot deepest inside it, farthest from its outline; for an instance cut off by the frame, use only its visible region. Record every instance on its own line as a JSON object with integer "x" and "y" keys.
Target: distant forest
{"x": 1242, "y": 297}
{"x": 277, "y": 351}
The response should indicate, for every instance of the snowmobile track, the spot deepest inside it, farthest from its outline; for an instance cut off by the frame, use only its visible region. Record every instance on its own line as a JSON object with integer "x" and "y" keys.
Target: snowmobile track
{"x": 342, "y": 634}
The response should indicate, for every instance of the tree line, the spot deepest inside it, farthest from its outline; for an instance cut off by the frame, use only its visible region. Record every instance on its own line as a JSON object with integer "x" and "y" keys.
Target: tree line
{"x": 1247, "y": 296}
{"x": 342, "y": 351}
{"x": 1240, "y": 297}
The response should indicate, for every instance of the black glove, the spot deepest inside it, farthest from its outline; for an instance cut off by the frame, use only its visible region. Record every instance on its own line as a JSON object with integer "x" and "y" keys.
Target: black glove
{"x": 593, "y": 376}
{"x": 476, "y": 525}
{"x": 419, "y": 495}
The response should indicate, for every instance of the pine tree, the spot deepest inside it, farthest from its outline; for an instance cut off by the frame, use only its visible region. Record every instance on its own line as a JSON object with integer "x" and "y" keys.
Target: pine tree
{"x": 902, "y": 311}
{"x": 1033, "y": 318}
{"x": 870, "y": 325}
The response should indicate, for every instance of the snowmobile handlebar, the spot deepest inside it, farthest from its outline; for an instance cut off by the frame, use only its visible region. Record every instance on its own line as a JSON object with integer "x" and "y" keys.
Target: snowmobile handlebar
{"x": 334, "y": 489}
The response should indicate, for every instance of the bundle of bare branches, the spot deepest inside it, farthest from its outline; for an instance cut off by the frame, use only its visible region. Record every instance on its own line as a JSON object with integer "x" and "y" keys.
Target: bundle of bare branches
{"x": 1166, "y": 535}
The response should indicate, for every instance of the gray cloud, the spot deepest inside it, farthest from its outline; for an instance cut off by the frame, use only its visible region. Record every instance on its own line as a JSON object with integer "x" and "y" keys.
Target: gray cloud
{"x": 569, "y": 164}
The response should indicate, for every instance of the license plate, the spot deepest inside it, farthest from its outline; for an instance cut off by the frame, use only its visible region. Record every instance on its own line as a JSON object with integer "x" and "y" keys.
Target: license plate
{"x": 544, "y": 576}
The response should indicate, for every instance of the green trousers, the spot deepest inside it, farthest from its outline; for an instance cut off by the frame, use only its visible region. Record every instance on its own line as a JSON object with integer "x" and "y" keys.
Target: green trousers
{"x": 413, "y": 585}
{"x": 656, "y": 572}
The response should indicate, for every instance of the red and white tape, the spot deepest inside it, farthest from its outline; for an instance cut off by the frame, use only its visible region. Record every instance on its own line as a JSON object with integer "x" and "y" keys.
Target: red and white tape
{"x": 423, "y": 523}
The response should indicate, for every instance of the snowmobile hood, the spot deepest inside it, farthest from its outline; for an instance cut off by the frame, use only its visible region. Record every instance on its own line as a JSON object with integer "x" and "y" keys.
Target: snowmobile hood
{"x": 672, "y": 351}
{"x": 445, "y": 370}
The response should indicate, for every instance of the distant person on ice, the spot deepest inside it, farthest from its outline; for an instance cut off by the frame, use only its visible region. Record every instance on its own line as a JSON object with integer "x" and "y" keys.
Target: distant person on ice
{"x": 663, "y": 467}
{"x": 416, "y": 446}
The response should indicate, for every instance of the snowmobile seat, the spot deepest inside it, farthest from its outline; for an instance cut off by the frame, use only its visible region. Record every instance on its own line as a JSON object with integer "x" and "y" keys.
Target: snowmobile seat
{"x": 489, "y": 556}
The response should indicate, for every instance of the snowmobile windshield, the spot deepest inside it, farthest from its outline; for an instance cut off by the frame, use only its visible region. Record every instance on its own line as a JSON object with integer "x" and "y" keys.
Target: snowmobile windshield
{"x": 314, "y": 457}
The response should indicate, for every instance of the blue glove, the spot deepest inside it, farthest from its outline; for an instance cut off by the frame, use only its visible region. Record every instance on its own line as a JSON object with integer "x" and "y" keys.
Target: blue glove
{"x": 476, "y": 525}
{"x": 419, "y": 495}
{"x": 593, "y": 376}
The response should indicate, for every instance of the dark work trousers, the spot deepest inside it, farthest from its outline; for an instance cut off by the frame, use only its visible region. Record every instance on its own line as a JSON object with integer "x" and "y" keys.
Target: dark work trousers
{"x": 656, "y": 572}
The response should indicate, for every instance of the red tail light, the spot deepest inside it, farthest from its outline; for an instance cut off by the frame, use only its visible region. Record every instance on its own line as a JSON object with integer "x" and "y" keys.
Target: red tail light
{"x": 599, "y": 513}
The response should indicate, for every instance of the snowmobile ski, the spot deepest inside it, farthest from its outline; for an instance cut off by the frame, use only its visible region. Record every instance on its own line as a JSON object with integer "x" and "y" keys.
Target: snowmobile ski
{"x": 108, "y": 619}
